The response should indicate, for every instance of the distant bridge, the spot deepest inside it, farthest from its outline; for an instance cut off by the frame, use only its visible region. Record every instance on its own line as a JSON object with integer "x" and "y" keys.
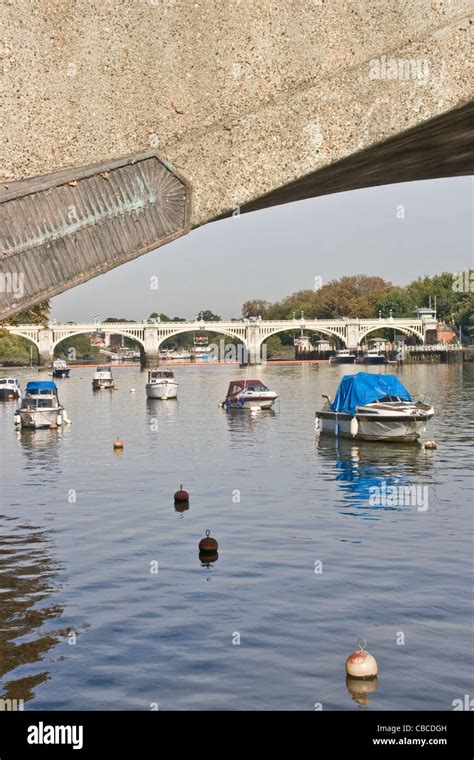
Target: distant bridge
{"x": 252, "y": 333}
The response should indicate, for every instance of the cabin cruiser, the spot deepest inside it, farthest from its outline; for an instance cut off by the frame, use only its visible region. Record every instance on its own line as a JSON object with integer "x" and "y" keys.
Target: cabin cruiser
{"x": 9, "y": 389}
{"x": 374, "y": 408}
{"x": 102, "y": 379}
{"x": 60, "y": 368}
{"x": 40, "y": 407}
{"x": 374, "y": 356}
{"x": 343, "y": 356}
{"x": 161, "y": 384}
{"x": 249, "y": 394}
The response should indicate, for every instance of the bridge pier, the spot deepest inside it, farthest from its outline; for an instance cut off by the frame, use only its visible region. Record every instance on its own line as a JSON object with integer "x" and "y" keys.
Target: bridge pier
{"x": 45, "y": 347}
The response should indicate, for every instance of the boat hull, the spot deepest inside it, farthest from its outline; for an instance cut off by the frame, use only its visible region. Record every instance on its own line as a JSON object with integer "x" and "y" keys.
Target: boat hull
{"x": 342, "y": 360}
{"x": 40, "y": 418}
{"x": 102, "y": 385}
{"x": 373, "y": 360}
{"x": 250, "y": 404}
{"x": 61, "y": 372}
{"x": 402, "y": 429}
{"x": 163, "y": 391}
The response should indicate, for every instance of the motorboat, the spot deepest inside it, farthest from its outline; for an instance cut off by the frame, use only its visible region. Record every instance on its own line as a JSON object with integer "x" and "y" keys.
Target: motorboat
{"x": 161, "y": 384}
{"x": 343, "y": 356}
{"x": 373, "y": 408}
{"x": 40, "y": 407}
{"x": 9, "y": 389}
{"x": 374, "y": 356}
{"x": 103, "y": 379}
{"x": 59, "y": 368}
{"x": 182, "y": 356}
{"x": 249, "y": 394}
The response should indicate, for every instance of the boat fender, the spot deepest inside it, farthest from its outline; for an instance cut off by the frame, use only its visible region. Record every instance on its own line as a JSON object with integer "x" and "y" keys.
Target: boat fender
{"x": 316, "y": 422}
{"x": 66, "y": 418}
{"x": 17, "y": 419}
{"x": 354, "y": 426}
{"x": 59, "y": 420}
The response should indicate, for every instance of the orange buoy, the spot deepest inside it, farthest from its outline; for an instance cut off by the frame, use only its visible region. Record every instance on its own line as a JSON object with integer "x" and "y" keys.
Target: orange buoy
{"x": 208, "y": 545}
{"x": 181, "y": 496}
{"x": 118, "y": 444}
{"x": 361, "y": 664}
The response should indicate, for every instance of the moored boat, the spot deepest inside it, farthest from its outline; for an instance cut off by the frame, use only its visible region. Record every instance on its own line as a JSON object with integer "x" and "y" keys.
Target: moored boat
{"x": 249, "y": 394}
{"x": 59, "y": 368}
{"x": 343, "y": 356}
{"x": 374, "y": 356}
{"x": 161, "y": 384}
{"x": 103, "y": 379}
{"x": 40, "y": 407}
{"x": 374, "y": 408}
{"x": 9, "y": 389}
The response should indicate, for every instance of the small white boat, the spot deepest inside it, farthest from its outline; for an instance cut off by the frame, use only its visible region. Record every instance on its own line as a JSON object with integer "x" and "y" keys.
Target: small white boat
{"x": 9, "y": 389}
{"x": 59, "y": 368}
{"x": 343, "y": 356}
{"x": 161, "y": 384}
{"x": 374, "y": 356}
{"x": 249, "y": 394}
{"x": 183, "y": 356}
{"x": 40, "y": 407}
{"x": 103, "y": 379}
{"x": 374, "y": 408}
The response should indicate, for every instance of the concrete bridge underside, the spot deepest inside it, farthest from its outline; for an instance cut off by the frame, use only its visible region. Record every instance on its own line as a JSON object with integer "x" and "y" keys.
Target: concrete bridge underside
{"x": 249, "y": 104}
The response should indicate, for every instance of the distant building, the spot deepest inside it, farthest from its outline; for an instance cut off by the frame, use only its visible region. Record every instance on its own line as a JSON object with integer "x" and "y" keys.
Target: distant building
{"x": 445, "y": 334}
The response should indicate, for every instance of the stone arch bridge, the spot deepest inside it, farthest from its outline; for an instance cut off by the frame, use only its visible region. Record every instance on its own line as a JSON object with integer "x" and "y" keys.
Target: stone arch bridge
{"x": 252, "y": 333}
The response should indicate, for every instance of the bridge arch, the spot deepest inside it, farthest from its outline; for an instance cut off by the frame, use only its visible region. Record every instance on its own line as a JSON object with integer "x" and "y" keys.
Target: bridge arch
{"x": 216, "y": 329}
{"x": 73, "y": 333}
{"x": 405, "y": 329}
{"x": 324, "y": 331}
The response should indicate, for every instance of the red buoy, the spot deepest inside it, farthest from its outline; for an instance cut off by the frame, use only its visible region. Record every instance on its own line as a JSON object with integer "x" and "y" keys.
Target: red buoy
{"x": 181, "y": 496}
{"x": 208, "y": 544}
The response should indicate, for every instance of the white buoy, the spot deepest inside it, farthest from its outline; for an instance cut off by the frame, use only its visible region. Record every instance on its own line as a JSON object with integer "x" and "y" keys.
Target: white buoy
{"x": 361, "y": 664}
{"x": 132, "y": 390}
{"x": 255, "y": 409}
{"x": 354, "y": 426}
{"x": 429, "y": 444}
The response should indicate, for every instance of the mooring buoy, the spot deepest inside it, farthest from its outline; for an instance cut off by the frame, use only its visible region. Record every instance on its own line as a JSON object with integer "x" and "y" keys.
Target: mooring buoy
{"x": 208, "y": 545}
{"x": 181, "y": 495}
{"x": 361, "y": 664}
{"x": 118, "y": 444}
{"x": 429, "y": 444}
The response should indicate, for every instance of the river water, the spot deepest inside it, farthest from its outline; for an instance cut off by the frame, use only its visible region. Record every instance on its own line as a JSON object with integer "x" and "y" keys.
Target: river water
{"x": 105, "y": 603}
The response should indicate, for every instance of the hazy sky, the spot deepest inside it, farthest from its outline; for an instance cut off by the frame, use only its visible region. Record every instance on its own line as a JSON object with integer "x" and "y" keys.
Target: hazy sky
{"x": 272, "y": 253}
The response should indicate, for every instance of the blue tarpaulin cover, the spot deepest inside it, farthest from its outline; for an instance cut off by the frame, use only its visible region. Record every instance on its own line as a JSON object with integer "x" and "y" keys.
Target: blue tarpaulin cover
{"x": 363, "y": 388}
{"x": 40, "y": 385}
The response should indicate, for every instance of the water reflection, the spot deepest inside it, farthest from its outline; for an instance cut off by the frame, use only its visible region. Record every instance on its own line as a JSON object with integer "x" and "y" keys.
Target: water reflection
{"x": 362, "y": 470}
{"x": 361, "y": 689}
{"x": 29, "y": 576}
{"x": 41, "y": 451}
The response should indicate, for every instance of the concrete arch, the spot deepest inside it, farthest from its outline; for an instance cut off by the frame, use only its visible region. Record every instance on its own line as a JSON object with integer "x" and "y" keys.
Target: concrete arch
{"x": 26, "y": 337}
{"x": 326, "y": 332}
{"x": 216, "y": 330}
{"x": 411, "y": 331}
{"x": 87, "y": 332}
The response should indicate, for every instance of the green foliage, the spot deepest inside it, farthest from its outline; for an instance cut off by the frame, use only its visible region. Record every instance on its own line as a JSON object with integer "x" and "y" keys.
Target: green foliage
{"x": 36, "y": 315}
{"x": 16, "y": 351}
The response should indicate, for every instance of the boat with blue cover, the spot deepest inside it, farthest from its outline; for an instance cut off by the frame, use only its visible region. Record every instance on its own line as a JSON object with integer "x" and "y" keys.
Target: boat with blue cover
{"x": 40, "y": 407}
{"x": 374, "y": 408}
